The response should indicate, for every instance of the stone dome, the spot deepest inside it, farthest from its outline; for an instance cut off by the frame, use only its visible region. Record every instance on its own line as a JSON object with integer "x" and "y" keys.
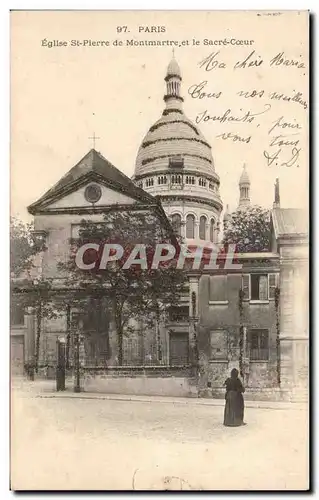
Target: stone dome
{"x": 174, "y": 135}
{"x": 175, "y": 164}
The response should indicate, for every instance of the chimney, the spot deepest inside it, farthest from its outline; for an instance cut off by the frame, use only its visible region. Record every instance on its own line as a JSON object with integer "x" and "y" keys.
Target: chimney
{"x": 277, "y": 195}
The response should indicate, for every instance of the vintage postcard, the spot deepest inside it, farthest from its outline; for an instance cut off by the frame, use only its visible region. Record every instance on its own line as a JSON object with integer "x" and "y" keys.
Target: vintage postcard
{"x": 159, "y": 250}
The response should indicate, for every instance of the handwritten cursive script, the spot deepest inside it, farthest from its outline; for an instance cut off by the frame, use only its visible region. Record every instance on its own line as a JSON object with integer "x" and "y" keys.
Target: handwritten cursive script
{"x": 281, "y": 60}
{"x": 283, "y": 124}
{"x": 212, "y": 62}
{"x": 229, "y": 116}
{"x": 196, "y": 91}
{"x": 234, "y": 137}
{"x": 274, "y": 159}
{"x": 282, "y": 140}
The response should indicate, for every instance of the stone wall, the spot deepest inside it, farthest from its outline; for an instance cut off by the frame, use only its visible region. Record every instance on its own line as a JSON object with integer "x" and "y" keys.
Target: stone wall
{"x": 152, "y": 381}
{"x": 224, "y": 318}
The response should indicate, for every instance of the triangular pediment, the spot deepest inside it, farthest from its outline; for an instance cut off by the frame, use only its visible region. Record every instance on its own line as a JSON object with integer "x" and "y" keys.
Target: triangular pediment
{"x": 69, "y": 192}
{"x": 79, "y": 199}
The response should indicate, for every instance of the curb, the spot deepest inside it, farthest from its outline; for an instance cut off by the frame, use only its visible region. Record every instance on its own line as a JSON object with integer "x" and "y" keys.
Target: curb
{"x": 195, "y": 401}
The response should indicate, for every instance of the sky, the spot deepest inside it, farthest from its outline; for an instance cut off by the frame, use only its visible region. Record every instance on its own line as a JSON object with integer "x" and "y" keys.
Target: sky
{"x": 61, "y": 94}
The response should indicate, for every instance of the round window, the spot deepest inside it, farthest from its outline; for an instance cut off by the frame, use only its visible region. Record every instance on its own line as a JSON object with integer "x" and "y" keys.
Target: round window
{"x": 93, "y": 193}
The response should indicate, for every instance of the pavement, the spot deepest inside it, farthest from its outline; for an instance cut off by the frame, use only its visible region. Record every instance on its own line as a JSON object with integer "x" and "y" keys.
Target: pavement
{"x": 108, "y": 442}
{"x": 47, "y": 389}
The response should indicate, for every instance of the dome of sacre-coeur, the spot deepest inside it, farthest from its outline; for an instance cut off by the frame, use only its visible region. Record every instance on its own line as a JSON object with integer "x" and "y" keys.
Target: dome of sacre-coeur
{"x": 174, "y": 135}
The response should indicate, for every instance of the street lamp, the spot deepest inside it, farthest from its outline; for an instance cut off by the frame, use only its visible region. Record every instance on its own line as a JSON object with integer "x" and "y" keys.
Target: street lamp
{"x": 77, "y": 384}
{"x": 60, "y": 369}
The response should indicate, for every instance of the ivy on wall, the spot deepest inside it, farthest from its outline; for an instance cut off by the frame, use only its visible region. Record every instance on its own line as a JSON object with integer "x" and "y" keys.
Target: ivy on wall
{"x": 241, "y": 331}
{"x": 277, "y": 297}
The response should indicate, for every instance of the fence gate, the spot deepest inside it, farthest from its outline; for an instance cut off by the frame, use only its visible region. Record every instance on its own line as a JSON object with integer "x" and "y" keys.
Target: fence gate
{"x": 178, "y": 348}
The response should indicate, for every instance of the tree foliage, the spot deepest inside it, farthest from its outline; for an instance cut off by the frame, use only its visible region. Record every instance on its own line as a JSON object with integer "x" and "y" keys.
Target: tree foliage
{"x": 27, "y": 289}
{"x": 134, "y": 293}
{"x": 249, "y": 229}
{"x": 22, "y": 247}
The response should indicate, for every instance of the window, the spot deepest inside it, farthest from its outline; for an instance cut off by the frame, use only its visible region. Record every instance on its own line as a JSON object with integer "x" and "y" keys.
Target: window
{"x": 218, "y": 344}
{"x": 259, "y": 286}
{"x": 190, "y": 179}
{"x": 77, "y": 318}
{"x": 92, "y": 193}
{"x": 258, "y": 343}
{"x": 149, "y": 182}
{"x": 162, "y": 179}
{"x": 176, "y": 161}
{"x": 190, "y": 226}
{"x": 176, "y": 179}
{"x": 202, "y": 228}
{"x": 212, "y": 230}
{"x": 177, "y": 223}
{"x": 211, "y": 186}
{"x": 16, "y": 313}
{"x": 202, "y": 182}
{"x": 218, "y": 288}
{"x": 78, "y": 230}
{"x": 179, "y": 313}
{"x": 140, "y": 184}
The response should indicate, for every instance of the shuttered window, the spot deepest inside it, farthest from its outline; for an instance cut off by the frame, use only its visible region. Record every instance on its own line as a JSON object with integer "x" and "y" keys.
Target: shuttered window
{"x": 273, "y": 280}
{"x": 259, "y": 286}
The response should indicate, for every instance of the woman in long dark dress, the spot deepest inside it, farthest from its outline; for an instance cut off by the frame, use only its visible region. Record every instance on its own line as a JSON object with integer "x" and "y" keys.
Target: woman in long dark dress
{"x": 234, "y": 407}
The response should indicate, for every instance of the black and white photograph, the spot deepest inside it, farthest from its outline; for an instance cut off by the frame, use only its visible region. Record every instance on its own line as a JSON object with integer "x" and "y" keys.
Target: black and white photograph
{"x": 159, "y": 250}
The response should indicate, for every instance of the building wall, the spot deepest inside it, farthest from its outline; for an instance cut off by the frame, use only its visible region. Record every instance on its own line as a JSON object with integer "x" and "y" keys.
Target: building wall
{"x": 294, "y": 315}
{"x": 197, "y": 210}
{"x": 219, "y": 333}
{"x": 59, "y": 231}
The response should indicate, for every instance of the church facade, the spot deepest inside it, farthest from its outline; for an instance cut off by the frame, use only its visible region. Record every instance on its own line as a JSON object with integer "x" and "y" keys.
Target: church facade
{"x": 251, "y": 317}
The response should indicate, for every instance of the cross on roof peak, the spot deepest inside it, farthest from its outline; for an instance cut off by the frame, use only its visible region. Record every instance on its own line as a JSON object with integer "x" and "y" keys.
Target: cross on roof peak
{"x": 94, "y": 138}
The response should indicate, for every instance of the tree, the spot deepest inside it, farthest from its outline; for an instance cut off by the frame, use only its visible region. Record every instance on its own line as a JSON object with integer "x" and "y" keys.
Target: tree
{"x": 25, "y": 290}
{"x": 22, "y": 246}
{"x": 249, "y": 230}
{"x": 133, "y": 292}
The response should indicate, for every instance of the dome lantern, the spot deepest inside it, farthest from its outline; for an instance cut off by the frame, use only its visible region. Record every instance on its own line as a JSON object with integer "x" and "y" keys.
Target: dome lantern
{"x": 244, "y": 189}
{"x": 173, "y": 80}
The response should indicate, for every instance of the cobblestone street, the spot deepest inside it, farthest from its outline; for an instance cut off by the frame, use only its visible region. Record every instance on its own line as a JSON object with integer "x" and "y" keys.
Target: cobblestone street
{"x": 75, "y": 443}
